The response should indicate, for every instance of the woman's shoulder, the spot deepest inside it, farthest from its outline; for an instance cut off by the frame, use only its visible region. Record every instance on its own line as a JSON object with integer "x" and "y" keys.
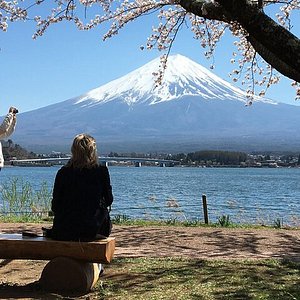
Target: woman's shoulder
{"x": 63, "y": 169}
{"x": 98, "y": 169}
{"x": 102, "y": 169}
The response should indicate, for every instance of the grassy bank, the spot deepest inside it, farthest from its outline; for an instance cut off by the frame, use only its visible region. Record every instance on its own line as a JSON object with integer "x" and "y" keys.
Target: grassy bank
{"x": 149, "y": 278}
{"x": 37, "y": 218}
{"x": 125, "y": 221}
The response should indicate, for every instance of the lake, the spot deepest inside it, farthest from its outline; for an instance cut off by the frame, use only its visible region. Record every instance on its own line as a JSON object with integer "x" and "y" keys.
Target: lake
{"x": 247, "y": 195}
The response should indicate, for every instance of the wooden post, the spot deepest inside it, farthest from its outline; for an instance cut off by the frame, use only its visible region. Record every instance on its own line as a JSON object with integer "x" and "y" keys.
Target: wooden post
{"x": 205, "y": 208}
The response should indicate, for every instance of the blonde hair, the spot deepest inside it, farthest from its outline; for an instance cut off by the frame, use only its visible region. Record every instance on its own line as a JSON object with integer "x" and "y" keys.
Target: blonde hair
{"x": 84, "y": 152}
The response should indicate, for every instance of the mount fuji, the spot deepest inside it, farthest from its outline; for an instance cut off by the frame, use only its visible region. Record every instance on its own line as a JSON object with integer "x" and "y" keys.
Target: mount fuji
{"x": 193, "y": 109}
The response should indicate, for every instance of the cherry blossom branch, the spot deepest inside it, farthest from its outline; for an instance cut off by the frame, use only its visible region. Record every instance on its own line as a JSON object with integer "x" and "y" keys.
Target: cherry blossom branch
{"x": 164, "y": 59}
{"x": 208, "y": 18}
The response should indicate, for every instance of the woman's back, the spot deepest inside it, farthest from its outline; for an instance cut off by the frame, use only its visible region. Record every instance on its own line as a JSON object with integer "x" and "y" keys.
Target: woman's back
{"x": 77, "y": 196}
{"x": 81, "y": 194}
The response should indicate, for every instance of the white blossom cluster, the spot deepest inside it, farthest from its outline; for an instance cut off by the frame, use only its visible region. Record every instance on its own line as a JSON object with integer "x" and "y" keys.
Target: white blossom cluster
{"x": 285, "y": 11}
{"x": 10, "y": 11}
{"x": 250, "y": 69}
{"x": 208, "y": 32}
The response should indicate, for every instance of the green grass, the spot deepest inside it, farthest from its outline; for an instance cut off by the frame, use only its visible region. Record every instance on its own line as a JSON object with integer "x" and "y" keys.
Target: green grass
{"x": 28, "y": 218}
{"x": 154, "y": 278}
{"x": 125, "y": 220}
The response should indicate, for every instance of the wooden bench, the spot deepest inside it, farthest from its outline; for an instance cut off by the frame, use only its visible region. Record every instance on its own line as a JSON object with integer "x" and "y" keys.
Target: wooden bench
{"x": 73, "y": 265}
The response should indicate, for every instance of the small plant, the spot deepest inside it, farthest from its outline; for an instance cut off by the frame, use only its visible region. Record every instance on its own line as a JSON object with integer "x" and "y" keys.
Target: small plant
{"x": 224, "y": 221}
{"x": 119, "y": 219}
{"x": 192, "y": 223}
{"x": 278, "y": 223}
{"x": 43, "y": 198}
{"x": 171, "y": 221}
{"x": 16, "y": 196}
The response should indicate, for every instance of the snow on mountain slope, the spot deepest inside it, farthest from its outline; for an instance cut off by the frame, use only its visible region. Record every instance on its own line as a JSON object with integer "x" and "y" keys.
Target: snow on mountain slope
{"x": 183, "y": 77}
{"x": 194, "y": 109}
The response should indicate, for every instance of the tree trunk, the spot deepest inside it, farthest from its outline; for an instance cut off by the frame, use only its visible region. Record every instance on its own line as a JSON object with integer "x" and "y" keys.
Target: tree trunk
{"x": 275, "y": 44}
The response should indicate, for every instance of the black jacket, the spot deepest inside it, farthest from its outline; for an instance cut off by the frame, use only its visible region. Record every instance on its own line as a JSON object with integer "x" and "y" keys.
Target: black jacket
{"x": 79, "y": 196}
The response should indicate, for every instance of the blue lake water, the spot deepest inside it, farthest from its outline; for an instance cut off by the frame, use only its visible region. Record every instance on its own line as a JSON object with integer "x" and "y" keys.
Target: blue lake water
{"x": 247, "y": 195}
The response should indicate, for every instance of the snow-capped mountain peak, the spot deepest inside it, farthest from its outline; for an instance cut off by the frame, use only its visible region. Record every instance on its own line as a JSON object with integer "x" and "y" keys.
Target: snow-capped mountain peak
{"x": 207, "y": 112}
{"x": 183, "y": 77}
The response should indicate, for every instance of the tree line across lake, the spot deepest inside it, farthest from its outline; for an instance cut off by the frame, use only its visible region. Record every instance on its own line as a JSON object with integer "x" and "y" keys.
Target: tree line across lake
{"x": 205, "y": 156}
{"x": 212, "y": 156}
{"x": 222, "y": 158}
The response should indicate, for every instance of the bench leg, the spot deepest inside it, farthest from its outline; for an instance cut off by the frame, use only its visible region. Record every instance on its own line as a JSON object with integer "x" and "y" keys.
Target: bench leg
{"x": 67, "y": 274}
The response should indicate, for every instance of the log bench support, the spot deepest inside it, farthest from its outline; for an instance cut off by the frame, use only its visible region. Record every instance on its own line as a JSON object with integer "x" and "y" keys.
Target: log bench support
{"x": 69, "y": 274}
{"x": 73, "y": 266}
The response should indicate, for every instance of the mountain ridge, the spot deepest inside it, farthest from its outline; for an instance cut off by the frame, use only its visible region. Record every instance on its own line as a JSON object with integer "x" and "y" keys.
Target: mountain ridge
{"x": 193, "y": 107}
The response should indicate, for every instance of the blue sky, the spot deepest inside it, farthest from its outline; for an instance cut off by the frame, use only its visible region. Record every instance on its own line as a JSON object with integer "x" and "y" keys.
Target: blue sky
{"x": 66, "y": 63}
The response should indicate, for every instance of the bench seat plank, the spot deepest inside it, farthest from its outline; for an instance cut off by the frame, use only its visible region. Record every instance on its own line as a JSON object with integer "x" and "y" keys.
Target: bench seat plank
{"x": 16, "y": 246}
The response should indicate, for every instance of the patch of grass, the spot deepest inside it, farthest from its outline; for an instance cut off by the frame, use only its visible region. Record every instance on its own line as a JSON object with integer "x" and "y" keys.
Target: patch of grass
{"x": 20, "y": 201}
{"x": 24, "y": 219}
{"x": 120, "y": 219}
{"x": 169, "y": 278}
{"x": 278, "y": 223}
{"x": 124, "y": 220}
{"x": 224, "y": 221}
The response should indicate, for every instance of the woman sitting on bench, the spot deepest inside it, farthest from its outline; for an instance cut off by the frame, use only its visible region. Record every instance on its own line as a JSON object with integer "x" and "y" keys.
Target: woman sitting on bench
{"x": 82, "y": 195}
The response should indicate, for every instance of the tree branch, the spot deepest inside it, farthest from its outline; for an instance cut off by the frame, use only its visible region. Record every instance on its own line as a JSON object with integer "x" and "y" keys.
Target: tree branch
{"x": 278, "y": 46}
{"x": 208, "y": 10}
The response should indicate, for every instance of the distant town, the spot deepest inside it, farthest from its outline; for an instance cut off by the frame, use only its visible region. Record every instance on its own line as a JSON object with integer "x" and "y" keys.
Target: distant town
{"x": 204, "y": 158}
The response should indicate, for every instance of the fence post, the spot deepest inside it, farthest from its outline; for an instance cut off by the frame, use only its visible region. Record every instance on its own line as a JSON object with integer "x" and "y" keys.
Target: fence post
{"x": 204, "y": 202}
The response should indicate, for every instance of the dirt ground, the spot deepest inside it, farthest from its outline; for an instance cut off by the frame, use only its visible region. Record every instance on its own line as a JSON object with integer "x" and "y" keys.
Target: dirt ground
{"x": 18, "y": 276}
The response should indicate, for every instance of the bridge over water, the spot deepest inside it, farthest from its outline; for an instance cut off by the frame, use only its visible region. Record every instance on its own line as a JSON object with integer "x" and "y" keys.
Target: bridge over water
{"x": 104, "y": 160}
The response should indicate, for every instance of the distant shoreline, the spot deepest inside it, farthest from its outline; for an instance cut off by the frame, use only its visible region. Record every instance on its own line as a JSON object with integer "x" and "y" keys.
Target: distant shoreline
{"x": 155, "y": 166}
